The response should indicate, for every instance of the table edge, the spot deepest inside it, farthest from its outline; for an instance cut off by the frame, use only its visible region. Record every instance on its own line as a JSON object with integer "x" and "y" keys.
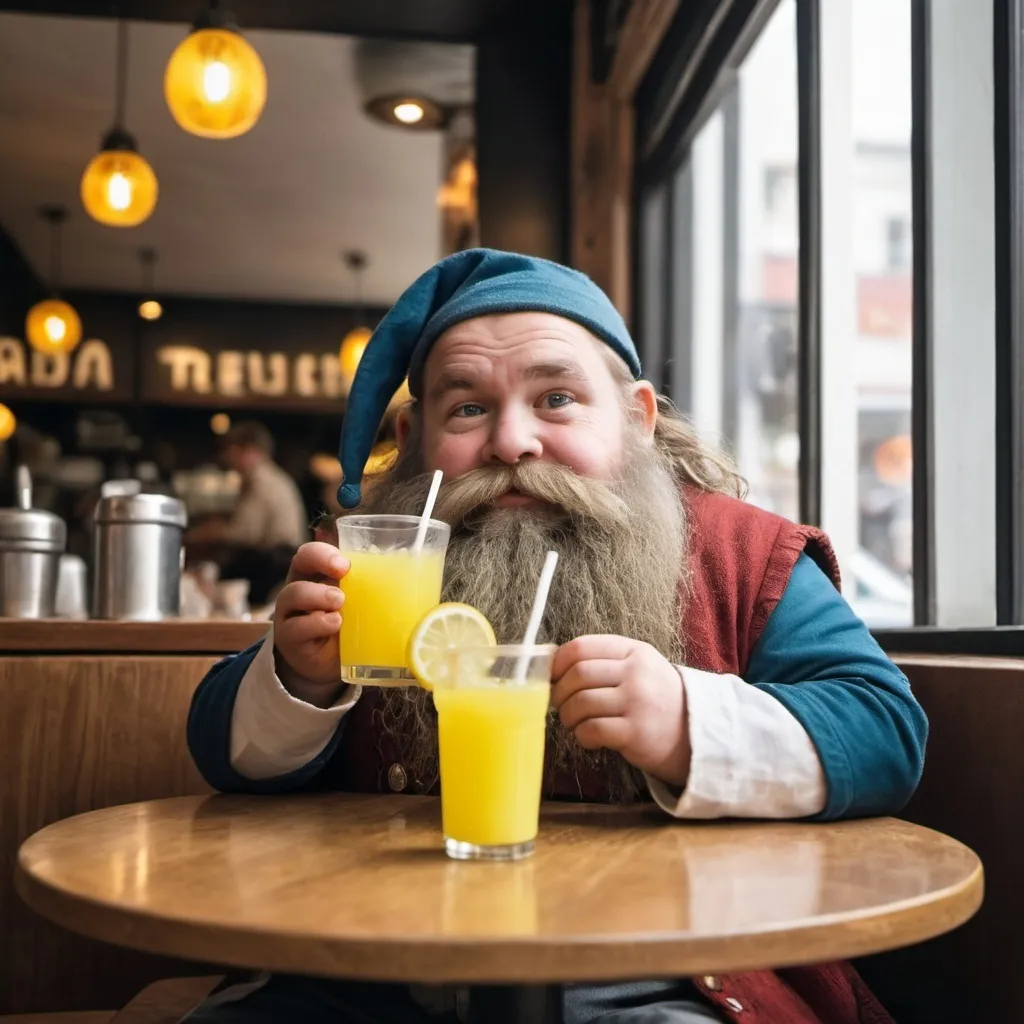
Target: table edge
{"x": 528, "y": 960}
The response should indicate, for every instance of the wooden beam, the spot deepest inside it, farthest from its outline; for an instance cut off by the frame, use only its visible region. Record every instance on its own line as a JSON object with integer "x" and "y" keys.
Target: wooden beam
{"x": 642, "y": 32}
{"x": 602, "y": 166}
{"x": 603, "y": 146}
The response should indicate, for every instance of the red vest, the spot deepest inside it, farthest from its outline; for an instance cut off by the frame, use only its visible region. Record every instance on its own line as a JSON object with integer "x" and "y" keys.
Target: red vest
{"x": 741, "y": 559}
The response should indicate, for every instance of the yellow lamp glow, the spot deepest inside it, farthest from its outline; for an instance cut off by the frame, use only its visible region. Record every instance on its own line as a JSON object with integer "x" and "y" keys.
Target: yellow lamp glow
{"x": 353, "y": 346}
{"x": 8, "y": 423}
{"x": 215, "y": 84}
{"x": 150, "y": 310}
{"x": 119, "y": 188}
{"x": 220, "y": 423}
{"x": 52, "y": 326}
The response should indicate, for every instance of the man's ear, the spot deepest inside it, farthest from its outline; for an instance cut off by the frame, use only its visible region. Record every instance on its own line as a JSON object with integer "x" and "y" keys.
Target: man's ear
{"x": 403, "y": 425}
{"x": 644, "y": 406}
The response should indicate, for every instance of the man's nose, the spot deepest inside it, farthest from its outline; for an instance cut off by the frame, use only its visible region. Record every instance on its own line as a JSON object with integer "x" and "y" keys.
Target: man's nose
{"x": 512, "y": 440}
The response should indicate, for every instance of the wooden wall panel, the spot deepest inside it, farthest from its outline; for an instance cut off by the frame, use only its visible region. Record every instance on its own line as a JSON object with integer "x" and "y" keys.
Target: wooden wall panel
{"x": 972, "y": 790}
{"x": 77, "y": 734}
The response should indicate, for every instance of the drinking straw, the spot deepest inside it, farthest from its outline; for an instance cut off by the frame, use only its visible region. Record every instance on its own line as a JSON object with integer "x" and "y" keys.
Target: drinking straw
{"x": 421, "y": 530}
{"x": 540, "y": 601}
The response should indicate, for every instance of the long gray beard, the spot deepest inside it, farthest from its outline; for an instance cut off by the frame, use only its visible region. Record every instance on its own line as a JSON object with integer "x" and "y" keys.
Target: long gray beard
{"x": 620, "y": 571}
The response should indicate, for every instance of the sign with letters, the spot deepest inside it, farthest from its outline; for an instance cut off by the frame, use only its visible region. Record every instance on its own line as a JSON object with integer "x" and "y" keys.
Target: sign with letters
{"x": 250, "y": 355}
{"x": 89, "y": 368}
{"x": 201, "y": 352}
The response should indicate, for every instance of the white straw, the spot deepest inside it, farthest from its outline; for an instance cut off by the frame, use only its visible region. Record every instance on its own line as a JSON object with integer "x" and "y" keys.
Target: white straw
{"x": 539, "y": 604}
{"x": 421, "y": 530}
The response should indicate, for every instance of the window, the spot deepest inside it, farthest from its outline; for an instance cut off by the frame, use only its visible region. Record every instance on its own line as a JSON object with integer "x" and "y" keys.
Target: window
{"x": 734, "y": 246}
{"x": 910, "y": 430}
{"x": 878, "y": 206}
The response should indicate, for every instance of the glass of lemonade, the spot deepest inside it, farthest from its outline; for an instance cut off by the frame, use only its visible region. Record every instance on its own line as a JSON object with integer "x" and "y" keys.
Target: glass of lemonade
{"x": 491, "y": 717}
{"x": 388, "y": 589}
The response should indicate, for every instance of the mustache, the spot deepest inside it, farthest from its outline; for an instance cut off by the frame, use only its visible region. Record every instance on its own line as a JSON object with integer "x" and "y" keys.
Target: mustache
{"x": 471, "y": 495}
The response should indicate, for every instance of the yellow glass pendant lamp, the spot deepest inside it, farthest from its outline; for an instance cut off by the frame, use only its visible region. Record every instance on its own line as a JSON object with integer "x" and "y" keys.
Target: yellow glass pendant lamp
{"x": 8, "y": 423}
{"x": 215, "y": 83}
{"x": 353, "y": 345}
{"x": 119, "y": 188}
{"x": 53, "y": 326}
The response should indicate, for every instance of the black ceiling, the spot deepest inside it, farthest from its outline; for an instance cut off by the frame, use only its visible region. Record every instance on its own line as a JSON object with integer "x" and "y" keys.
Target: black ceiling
{"x": 447, "y": 20}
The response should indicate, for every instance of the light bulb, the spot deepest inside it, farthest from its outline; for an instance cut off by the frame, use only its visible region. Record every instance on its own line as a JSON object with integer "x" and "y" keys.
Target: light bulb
{"x": 220, "y": 423}
{"x": 409, "y": 112}
{"x": 215, "y": 84}
{"x": 53, "y": 326}
{"x": 119, "y": 191}
{"x": 55, "y": 329}
{"x": 150, "y": 309}
{"x": 216, "y": 81}
{"x": 119, "y": 188}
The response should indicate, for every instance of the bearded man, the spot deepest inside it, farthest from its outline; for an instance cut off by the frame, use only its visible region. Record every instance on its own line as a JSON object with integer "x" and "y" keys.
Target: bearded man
{"x": 706, "y": 658}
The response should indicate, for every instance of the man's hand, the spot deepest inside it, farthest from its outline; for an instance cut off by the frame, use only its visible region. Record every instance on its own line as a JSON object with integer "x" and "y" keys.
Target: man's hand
{"x": 622, "y": 694}
{"x": 307, "y": 618}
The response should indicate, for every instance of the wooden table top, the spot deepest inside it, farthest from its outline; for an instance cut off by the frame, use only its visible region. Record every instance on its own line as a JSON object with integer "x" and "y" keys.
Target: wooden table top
{"x": 350, "y": 885}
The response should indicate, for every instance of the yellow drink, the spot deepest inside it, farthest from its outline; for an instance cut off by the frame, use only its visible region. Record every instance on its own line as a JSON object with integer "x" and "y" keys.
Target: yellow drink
{"x": 491, "y": 738}
{"x": 386, "y": 595}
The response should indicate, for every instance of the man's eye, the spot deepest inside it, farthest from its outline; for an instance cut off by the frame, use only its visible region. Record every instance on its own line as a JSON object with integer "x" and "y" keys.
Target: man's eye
{"x": 467, "y": 410}
{"x": 556, "y": 400}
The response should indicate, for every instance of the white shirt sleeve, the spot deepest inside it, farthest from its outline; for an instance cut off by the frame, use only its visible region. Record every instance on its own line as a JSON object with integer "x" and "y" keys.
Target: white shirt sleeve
{"x": 272, "y": 732}
{"x": 750, "y": 757}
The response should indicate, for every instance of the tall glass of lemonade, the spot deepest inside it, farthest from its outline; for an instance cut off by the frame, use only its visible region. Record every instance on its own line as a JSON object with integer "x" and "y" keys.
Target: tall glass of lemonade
{"x": 390, "y": 586}
{"x": 492, "y": 709}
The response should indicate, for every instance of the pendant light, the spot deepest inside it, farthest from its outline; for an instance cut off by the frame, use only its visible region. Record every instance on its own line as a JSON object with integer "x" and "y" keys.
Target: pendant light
{"x": 52, "y": 326}
{"x": 8, "y": 424}
{"x": 149, "y": 307}
{"x": 119, "y": 187}
{"x": 215, "y": 83}
{"x": 353, "y": 345}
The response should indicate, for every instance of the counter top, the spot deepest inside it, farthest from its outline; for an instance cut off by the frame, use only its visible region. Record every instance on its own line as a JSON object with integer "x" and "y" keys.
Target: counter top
{"x": 175, "y": 636}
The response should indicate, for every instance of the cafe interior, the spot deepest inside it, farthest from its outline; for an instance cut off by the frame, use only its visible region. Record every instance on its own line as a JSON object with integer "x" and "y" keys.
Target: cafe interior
{"x": 809, "y": 215}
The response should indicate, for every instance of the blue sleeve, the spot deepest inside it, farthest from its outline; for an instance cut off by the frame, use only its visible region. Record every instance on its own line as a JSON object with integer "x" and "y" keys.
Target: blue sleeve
{"x": 819, "y": 660}
{"x": 209, "y": 733}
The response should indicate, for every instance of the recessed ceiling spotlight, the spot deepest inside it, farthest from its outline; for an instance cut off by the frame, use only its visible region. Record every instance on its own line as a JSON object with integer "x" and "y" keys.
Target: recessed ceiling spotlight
{"x": 414, "y": 112}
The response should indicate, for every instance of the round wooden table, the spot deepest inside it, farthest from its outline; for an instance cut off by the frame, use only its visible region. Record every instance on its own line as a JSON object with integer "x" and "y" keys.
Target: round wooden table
{"x": 357, "y": 886}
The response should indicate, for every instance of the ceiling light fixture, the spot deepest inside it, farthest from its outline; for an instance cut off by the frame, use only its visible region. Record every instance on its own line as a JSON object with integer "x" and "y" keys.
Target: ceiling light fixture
{"x": 53, "y": 326}
{"x": 149, "y": 309}
{"x": 215, "y": 83}
{"x": 118, "y": 187}
{"x": 416, "y": 113}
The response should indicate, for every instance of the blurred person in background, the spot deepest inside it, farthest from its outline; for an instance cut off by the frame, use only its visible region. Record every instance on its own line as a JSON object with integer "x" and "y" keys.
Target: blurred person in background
{"x": 269, "y": 512}
{"x": 269, "y": 520}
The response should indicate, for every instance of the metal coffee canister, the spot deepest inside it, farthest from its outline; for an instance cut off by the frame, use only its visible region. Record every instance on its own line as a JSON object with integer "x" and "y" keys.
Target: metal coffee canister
{"x": 138, "y": 557}
{"x": 31, "y": 543}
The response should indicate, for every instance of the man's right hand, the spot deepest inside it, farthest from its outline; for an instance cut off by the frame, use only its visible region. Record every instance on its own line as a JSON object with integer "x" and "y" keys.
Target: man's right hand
{"x": 307, "y": 618}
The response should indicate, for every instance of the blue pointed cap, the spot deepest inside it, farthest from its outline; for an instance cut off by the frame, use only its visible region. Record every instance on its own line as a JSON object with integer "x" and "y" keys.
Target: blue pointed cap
{"x": 471, "y": 283}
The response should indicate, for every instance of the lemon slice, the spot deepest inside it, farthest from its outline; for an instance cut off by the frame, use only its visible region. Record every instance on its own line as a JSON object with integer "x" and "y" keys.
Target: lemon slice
{"x": 444, "y": 629}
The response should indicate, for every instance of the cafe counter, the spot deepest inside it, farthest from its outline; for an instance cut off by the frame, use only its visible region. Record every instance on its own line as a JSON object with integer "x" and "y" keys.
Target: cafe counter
{"x": 93, "y": 715}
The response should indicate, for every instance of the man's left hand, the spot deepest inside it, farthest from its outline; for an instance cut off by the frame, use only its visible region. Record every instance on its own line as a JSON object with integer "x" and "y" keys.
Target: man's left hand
{"x": 622, "y": 694}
